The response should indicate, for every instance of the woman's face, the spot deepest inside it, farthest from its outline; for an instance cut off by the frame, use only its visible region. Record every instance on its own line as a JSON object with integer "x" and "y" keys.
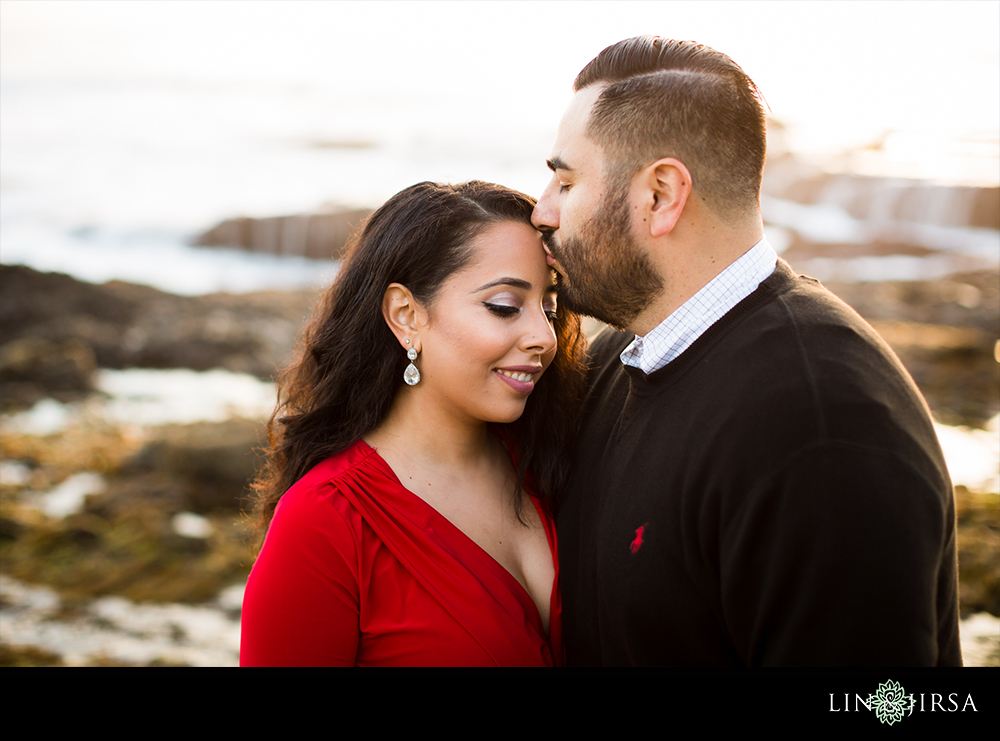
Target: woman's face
{"x": 488, "y": 335}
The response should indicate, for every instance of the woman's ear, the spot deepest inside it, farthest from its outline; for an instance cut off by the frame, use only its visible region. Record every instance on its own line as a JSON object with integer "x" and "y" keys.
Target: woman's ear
{"x": 401, "y": 313}
{"x": 669, "y": 184}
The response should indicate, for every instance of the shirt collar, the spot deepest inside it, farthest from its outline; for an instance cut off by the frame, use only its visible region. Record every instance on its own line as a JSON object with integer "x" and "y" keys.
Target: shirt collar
{"x": 678, "y": 331}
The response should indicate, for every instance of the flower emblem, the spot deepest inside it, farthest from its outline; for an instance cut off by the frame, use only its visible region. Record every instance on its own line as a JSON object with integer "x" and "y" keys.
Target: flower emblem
{"x": 890, "y": 702}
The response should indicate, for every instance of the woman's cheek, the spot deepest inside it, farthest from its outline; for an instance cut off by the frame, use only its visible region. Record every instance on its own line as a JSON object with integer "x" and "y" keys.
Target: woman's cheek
{"x": 548, "y": 357}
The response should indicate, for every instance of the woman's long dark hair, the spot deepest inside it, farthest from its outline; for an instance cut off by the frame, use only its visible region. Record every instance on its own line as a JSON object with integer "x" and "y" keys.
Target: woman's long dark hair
{"x": 350, "y": 366}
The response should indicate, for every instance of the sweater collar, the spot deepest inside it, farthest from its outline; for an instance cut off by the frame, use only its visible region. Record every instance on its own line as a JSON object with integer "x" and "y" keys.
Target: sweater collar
{"x": 781, "y": 280}
{"x": 677, "y": 332}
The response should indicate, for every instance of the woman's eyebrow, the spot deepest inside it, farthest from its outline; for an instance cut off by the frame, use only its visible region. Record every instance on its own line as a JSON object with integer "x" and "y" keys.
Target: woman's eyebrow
{"x": 513, "y": 282}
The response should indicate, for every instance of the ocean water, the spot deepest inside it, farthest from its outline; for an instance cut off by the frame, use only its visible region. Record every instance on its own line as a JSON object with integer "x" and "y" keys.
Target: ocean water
{"x": 113, "y": 179}
{"x": 128, "y": 128}
{"x": 107, "y": 180}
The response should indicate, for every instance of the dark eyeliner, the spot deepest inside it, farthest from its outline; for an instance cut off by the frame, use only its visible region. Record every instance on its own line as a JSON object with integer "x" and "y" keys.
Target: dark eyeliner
{"x": 504, "y": 312}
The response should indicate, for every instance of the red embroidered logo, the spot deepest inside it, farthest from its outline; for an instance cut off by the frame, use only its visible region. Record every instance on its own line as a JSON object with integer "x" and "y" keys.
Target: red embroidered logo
{"x": 637, "y": 543}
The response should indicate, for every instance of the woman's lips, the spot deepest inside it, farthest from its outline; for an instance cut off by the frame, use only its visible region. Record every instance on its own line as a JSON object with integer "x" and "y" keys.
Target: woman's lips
{"x": 520, "y": 379}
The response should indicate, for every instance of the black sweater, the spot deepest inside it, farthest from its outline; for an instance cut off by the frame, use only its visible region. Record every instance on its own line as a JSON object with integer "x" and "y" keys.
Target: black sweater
{"x": 774, "y": 496}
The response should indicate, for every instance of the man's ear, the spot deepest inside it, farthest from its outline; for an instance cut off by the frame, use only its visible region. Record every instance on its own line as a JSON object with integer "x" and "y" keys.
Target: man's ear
{"x": 668, "y": 185}
{"x": 401, "y": 313}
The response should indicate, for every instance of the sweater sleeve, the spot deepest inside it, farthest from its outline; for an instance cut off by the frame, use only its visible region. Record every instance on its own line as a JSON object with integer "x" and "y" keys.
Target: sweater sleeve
{"x": 842, "y": 559}
{"x": 301, "y": 604}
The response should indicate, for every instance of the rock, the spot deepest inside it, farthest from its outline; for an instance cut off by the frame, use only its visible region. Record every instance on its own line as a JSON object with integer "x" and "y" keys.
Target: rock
{"x": 30, "y": 298}
{"x": 213, "y": 461}
{"x": 970, "y": 299}
{"x": 33, "y": 368}
{"x": 135, "y": 490}
{"x": 883, "y": 199}
{"x": 10, "y": 529}
{"x": 945, "y": 333}
{"x": 319, "y": 236}
{"x": 125, "y": 544}
{"x": 824, "y": 214}
{"x": 978, "y": 517}
{"x": 28, "y": 656}
{"x": 63, "y": 326}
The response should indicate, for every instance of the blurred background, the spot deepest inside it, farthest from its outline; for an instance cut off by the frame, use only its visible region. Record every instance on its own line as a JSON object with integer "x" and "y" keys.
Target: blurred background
{"x": 177, "y": 180}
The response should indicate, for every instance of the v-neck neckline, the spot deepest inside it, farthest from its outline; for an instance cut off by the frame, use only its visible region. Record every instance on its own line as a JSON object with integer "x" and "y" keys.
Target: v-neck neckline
{"x": 519, "y": 589}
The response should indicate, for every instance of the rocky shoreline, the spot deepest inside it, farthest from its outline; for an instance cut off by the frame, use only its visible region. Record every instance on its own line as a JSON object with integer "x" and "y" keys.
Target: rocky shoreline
{"x": 164, "y": 523}
{"x": 56, "y": 331}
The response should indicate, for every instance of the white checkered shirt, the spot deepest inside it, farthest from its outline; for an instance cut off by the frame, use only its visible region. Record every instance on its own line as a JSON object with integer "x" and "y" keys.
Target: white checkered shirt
{"x": 677, "y": 332}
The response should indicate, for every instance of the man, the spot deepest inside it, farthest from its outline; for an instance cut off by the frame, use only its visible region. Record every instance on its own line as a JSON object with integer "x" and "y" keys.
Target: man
{"x": 757, "y": 480}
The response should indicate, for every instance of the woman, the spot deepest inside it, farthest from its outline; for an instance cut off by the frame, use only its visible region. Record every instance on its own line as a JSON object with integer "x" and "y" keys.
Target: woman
{"x": 407, "y": 529}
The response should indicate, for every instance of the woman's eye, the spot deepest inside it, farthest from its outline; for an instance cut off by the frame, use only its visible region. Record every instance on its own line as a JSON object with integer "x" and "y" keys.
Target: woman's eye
{"x": 502, "y": 310}
{"x": 563, "y": 188}
{"x": 550, "y": 305}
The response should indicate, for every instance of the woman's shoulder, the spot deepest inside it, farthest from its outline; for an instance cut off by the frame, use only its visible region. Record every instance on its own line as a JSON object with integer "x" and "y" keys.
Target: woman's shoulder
{"x": 319, "y": 493}
{"x": 359, "y": 455}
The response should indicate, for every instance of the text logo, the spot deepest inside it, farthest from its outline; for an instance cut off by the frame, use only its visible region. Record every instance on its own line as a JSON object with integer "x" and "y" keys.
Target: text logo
{"x": 891, "y": 703}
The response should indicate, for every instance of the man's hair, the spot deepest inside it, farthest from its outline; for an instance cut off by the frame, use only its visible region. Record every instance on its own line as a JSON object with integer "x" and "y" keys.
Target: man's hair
{"x": 667, "y": 98}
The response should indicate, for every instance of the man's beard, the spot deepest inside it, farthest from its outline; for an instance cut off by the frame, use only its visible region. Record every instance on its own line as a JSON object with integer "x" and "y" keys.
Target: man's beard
{"x": 608, "y": 276}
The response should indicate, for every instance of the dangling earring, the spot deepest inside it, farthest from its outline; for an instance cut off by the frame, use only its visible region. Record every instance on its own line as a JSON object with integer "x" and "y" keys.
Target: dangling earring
{"x": 411, "y": 375}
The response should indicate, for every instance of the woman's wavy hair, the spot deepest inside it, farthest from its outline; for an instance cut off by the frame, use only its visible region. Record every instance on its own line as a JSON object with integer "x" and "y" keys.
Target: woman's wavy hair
{"x": 349, "y": 365}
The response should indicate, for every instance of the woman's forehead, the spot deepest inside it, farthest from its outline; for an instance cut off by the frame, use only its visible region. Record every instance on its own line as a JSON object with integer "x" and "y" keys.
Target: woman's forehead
{"x": 507, "y": 250}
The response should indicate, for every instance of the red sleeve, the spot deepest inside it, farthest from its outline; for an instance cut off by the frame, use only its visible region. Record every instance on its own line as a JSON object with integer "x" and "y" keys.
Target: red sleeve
{"x": 301, "y": 602}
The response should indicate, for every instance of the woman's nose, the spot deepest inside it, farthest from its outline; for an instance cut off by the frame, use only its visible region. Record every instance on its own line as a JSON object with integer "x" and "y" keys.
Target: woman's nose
{"x": 540, "y": 337}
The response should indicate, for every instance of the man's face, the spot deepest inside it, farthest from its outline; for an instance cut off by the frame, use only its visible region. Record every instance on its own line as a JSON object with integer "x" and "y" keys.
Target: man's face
{"x": 586, "y": 222}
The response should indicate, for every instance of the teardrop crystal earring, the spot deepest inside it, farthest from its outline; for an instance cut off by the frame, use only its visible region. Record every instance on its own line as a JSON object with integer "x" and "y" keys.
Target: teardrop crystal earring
{"x": 411, "y": 375}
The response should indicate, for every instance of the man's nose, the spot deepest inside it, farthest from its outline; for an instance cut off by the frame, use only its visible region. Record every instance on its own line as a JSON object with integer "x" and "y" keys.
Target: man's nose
{"x": 545, "y": 217}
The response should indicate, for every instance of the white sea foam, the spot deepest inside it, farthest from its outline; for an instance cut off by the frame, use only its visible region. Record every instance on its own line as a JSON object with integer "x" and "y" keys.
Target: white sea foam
{"x": 142, "y": 397}
{"x": 973, "y": 456}
{"x": 67, "y": 497}
{"x": 114, "y": 628}
{"x": 191, "y": 525}
{"x": 180, "y": 396}
{"x": 209, "y": 635}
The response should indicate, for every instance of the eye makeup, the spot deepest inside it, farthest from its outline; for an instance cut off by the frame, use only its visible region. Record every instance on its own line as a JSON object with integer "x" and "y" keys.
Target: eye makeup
{"x": 507, "y": 305}
{"x": 502, "y": 310}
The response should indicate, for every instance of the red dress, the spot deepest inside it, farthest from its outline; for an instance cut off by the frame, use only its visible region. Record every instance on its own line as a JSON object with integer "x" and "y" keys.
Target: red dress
{"x": 357, "y": 570}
